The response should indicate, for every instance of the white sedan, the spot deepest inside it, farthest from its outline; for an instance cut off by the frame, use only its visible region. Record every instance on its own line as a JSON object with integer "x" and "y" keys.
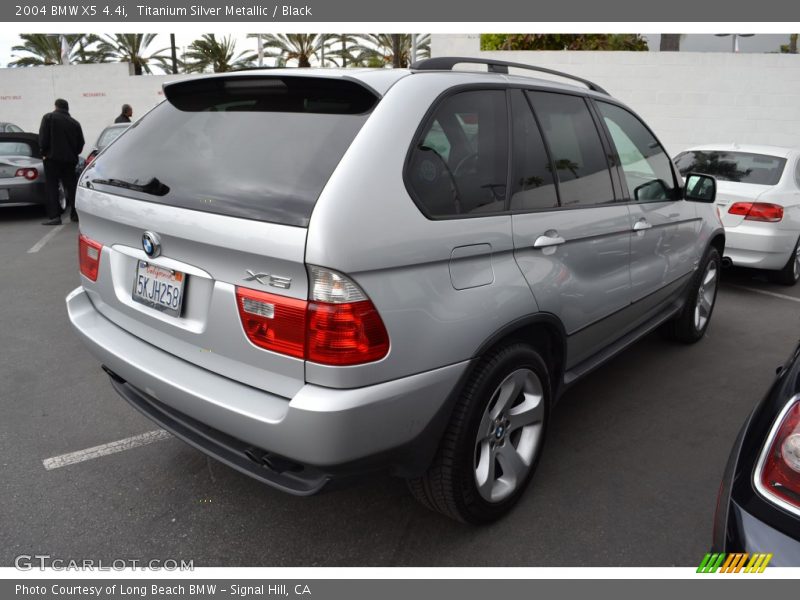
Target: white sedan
{"x": 758, "y": 197}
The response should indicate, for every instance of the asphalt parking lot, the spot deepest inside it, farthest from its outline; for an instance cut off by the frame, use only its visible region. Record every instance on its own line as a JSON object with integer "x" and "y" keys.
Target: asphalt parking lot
{"x": 629, "y": 476}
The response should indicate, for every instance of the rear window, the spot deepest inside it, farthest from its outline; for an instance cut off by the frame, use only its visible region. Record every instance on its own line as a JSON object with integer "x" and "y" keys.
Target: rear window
{"x": 14, "y": 148}
{"x": 740, "y": 167}
{"x": 109, "y": 135}
{"x": 260, "y": 148}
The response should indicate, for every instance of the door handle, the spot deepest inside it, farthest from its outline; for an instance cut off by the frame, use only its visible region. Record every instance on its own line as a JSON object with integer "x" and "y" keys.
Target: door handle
{"x": 550, "y": 238}
{"x": 641, "y": 225}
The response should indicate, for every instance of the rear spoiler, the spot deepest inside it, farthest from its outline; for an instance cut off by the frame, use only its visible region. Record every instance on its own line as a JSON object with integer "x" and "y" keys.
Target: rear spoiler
{"x": 272, "y": 92}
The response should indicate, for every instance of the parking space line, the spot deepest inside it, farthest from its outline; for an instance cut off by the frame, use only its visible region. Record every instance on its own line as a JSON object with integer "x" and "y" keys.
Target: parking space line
{"x": 766, "y": 293}
{"x": 105, "y": 449}
{"x": 46, "y": 238}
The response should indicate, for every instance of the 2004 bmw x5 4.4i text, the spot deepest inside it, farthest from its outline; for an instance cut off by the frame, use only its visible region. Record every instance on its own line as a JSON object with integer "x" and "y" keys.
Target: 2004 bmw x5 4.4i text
{"x": 315, "y": 274}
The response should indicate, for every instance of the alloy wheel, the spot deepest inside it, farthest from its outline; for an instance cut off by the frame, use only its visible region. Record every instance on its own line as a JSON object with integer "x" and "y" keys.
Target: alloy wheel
{"x": 509, "y": 435}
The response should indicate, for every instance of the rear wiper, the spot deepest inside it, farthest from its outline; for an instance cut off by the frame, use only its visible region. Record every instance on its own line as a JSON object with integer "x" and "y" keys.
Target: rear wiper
{"x": 153, "y": 187}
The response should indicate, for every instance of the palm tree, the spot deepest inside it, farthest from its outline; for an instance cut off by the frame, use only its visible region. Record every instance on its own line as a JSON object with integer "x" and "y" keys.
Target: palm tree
{"x": 670, "y": 42}
{"x": 287, "y": 47}
{"x": 131, "y": 48}
{"x": 343, "y": 49}
{"x": 45, "y": 49}
{"x": 395, "y": 49}
{"x": 209, "y": 52}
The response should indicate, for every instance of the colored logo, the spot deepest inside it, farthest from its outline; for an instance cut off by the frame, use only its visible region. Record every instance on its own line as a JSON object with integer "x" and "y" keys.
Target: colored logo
{"x": 737, "y": 562}
{"x": 151, "y": 244}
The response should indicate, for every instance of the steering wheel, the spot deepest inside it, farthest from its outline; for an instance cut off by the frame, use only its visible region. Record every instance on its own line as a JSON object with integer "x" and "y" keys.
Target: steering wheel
{"x": 450, "y": 175}
{"x": 472, "y": 157}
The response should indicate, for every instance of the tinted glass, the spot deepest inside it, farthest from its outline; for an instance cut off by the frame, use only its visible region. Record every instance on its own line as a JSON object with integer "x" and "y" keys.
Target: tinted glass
{"x": 645, "y": 164}
{"x": 459, "y": 164}
{"x": 575, "y": 148}
{"x": 533, "y": 186}
{"x": 8, "y": 148}
{"x": 259, "y": 149}
{"x": 740, "y": 167}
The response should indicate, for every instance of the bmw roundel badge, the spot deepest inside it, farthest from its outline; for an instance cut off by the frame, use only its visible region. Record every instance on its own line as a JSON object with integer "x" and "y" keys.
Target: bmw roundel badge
{"x": 151, "y": 244}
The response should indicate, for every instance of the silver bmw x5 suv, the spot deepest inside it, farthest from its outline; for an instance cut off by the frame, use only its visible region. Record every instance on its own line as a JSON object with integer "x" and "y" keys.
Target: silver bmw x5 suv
{"x": 312, "y": 275}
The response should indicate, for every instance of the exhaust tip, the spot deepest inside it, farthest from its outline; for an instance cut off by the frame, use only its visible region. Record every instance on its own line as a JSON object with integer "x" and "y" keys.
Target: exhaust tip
{"x": 254, "y": 454}
{"x": 113, "y": 375}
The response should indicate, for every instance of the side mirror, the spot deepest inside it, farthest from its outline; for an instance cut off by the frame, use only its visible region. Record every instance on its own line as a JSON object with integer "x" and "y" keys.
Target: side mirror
{"x": 700, "y": 188}
{"x": 654, "y": 189}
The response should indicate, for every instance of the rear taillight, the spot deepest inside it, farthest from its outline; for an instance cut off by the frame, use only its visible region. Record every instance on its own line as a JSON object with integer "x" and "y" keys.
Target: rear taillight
{"x": 273, "y": 322}
{"x": 28, "y": 173}
{"x": 89, "y": 256}
{"x": 778, "y": 472}
{"x": 757, "y": 211}
{"x": 90, "y": 158}
{"x": 338, "y": 325}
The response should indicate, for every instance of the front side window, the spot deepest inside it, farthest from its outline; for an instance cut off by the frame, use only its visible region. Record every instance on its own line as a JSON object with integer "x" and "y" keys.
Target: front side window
{"x": 575, "y": 147}
{"x": 459, "y": 163}
{"x": 644, "y": 163}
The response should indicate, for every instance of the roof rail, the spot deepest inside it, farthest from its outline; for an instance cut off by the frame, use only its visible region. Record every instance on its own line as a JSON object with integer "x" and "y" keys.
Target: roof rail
{"x": 446, "y": 63}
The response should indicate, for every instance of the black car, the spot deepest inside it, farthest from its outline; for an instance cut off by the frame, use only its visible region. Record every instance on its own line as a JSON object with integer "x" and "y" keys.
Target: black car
{"x": 758, "y": 508}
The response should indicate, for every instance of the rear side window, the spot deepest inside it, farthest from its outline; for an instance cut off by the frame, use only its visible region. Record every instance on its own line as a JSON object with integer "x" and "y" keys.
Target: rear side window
{"x": 575, "y": 147}
{"x": 644, "y": 162}
{"x": 532, "y": 184}
{"x": 740, "y": 167}
{"x": 259, "y": 148}
{"x": 459, "y": 163}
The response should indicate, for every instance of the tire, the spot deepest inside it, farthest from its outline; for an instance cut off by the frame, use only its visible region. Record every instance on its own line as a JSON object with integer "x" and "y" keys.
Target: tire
{"x": 691, "y": 324}
{"x": 790, "y": 273}
{"x": 500, "y": 419}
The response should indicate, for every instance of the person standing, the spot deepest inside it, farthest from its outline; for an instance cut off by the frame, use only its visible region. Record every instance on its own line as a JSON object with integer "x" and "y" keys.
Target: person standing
{"x": 61, "y": 141}
{"x": 125, "y": 115}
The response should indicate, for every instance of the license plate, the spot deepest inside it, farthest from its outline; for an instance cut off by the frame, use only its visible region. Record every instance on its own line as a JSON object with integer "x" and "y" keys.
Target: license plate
{"x": 159, "y": 288}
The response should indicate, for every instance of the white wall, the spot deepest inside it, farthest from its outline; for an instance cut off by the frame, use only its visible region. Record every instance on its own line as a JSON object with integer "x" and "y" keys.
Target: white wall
{"x": 688, "y": 98}
{"x": 95, "y": 94}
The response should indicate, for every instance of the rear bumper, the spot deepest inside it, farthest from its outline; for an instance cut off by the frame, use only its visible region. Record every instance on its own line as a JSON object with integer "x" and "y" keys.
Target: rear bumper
{"x": 323, "y": 432}
{"x": 22, "y": 192}
{"x": 759, "y": 245}
{"x": 751, "y": 535}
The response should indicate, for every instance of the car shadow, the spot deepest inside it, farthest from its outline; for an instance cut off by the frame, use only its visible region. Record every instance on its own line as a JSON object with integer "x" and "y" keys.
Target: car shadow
{"x": 20, "y": 213}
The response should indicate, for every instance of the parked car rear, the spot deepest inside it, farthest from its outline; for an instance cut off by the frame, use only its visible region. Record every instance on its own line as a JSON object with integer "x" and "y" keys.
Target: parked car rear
{"x": 758, "y": 194}
{"x": 758, "y": 507}
{"x": 21, "y": 170}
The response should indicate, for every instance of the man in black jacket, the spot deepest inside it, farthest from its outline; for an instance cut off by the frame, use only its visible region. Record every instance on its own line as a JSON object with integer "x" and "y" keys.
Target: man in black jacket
{"x": 125, "y": 115}
{"x": 61, "y": 141}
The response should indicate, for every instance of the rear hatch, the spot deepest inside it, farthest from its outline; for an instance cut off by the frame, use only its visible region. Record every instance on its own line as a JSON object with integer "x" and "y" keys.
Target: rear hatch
{"x": 218, "y": 182}
{"x": 741, "y": 176}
